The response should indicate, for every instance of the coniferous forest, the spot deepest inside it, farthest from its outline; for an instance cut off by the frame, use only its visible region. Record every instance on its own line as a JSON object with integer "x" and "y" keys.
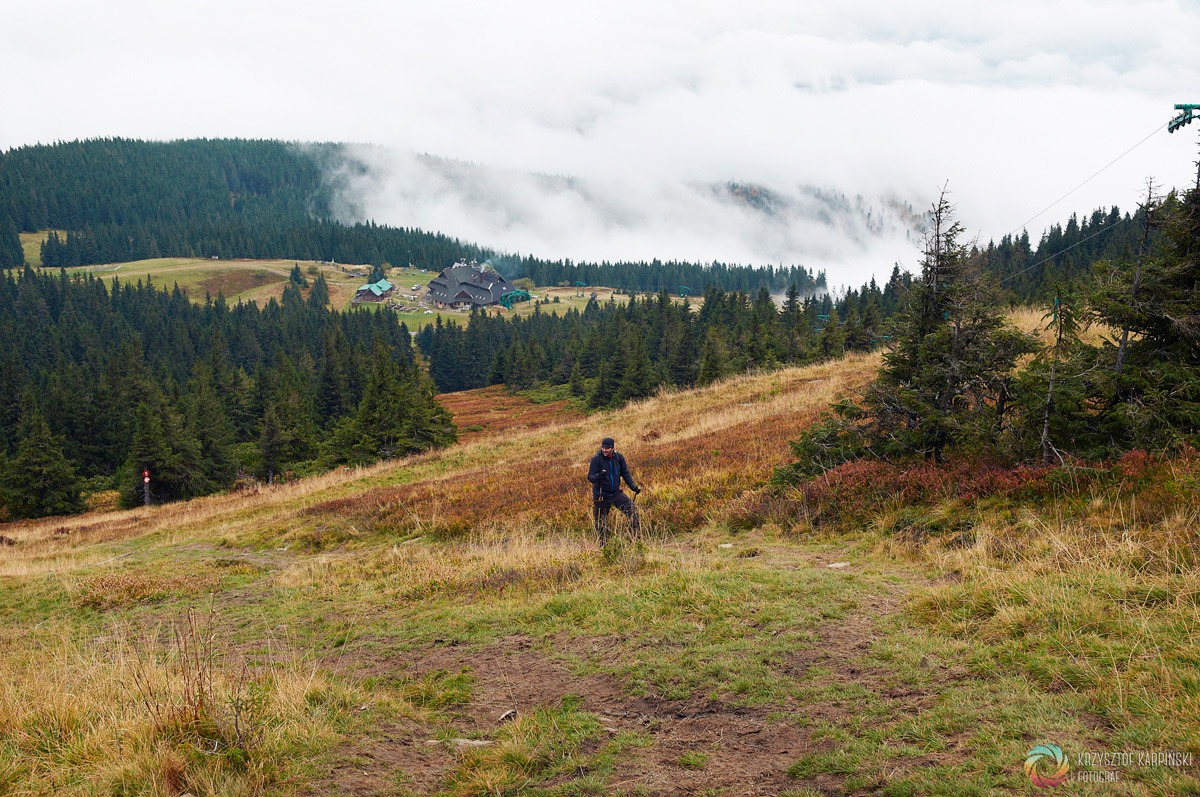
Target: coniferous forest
{"x": 102, "y": 384}
{"x": 609, "y": 354}
{"x": 951, "y": 381}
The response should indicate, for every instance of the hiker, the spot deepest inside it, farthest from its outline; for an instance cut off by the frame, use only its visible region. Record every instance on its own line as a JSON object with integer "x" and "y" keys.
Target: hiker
{"x": 607, "y": 470}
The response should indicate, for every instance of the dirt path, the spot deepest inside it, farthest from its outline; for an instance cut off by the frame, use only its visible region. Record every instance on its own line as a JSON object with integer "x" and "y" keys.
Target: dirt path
{"x": 747, "y": 750}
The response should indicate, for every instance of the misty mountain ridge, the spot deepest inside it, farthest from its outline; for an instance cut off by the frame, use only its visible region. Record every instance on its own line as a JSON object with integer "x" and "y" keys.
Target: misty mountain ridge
{"x": 624, "y": 219}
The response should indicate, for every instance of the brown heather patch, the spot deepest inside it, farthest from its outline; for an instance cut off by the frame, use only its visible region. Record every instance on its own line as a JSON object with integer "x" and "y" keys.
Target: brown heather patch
{"x": 870, "y": 491}
{"x": 489, "y": 410}
{"x": 235, "y": 281}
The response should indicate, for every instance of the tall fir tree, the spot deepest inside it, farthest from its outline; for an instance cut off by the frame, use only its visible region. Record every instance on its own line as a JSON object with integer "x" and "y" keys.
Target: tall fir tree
{"x": 944, "y": 381}
{"x": 12, "y": 255}
{"x": 1152, "y": 396}
{"x": 39, "y": 480}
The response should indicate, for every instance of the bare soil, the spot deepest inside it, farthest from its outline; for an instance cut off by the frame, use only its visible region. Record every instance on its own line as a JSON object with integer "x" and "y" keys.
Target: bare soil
{"x": 748, "y": 749}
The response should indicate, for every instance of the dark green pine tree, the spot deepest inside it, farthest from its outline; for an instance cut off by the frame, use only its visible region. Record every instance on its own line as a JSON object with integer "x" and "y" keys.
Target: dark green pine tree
{"x": 605, "y": 390}
{"x": 163, "y": 446}
{"x": 520, "y": 373}
{"x": 39, "y": 480}
{"x": 831, "y": 340}
{"x": 1152, "y": 398}
{"x": 319, "y": 296}
{"x": 12, "y": 255}
{"x": 333, "y": 381}
{"x": 297, "y": 278}
{"x": 431, "y": 425}
{"x": 637, "y": 381}
{"x": 576, "y": 384}
{"x": 273, "y": 444}
{"x": 714, "y": 359}
{"x": 206, "y": 421}
{"x": 944, "y": 381}
{"x": 789, "y": 321}
{"x": 760, "y": 343}
{"x": 1051, "y": 392}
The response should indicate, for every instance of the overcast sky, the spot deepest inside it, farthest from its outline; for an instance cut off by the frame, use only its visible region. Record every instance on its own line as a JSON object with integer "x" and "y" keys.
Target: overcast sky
{"x": 1013, "y": 103}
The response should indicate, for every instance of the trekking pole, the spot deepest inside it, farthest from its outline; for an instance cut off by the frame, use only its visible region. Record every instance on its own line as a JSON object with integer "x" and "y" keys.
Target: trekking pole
{"x": 641, "y": 534}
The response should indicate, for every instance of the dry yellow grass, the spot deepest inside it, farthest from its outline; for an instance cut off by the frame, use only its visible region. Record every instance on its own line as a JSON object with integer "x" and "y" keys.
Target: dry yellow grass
{"x": 1035, "y": 320}
{"x": 157, "y": 712}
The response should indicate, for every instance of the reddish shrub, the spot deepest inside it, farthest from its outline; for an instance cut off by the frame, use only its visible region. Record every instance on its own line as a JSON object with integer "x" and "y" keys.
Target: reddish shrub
{"x": 1133, "y": 464}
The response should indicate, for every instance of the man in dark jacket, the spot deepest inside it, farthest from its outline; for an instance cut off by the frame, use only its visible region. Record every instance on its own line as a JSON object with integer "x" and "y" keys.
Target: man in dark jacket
{"x": 607, "y": 470}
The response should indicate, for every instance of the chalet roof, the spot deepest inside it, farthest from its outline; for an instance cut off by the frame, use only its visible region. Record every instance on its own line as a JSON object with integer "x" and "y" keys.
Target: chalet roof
{"x": 463, "y": 283}
{"x": 377, "y": 288}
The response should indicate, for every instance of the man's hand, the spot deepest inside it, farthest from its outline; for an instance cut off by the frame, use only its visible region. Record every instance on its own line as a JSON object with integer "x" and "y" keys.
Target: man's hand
{"x": 637, "y": 490}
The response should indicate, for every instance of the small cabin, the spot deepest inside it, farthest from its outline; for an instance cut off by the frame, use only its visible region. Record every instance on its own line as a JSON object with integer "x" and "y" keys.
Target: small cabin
{"x": 374, "y": 292}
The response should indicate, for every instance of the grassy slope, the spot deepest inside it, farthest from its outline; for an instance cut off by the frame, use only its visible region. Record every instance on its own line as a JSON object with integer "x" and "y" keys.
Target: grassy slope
{"x": 358, "y": 616}
{"x": 242, "y": 280}
{"x": 261, "y": 280}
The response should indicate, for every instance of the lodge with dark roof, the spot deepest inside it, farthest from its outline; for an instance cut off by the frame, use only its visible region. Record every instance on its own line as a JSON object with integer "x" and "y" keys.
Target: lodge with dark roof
{"x": 465, "y": 286}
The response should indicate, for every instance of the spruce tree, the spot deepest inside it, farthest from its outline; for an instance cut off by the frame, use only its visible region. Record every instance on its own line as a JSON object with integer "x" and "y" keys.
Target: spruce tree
{"x": 11, "y": 253}
{"x": 272, "y": 444}
{"x": 152, "y": 450}
{"x": 605, "y": 389}
{"x": 944, "y": 380}
{"x": 39, "y": 480}
{"x": 637, "y": 381}
{"x": 1151, "y": 397}
{"x": 1051, "y": 392}
{"x": 319, "y": 296}
{"x": 385, "y": 414}
{"x": 714, "y": 359}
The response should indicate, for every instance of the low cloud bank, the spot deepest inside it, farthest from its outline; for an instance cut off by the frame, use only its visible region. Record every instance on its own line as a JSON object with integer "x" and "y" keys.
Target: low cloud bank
{"x": 850, "y": 237}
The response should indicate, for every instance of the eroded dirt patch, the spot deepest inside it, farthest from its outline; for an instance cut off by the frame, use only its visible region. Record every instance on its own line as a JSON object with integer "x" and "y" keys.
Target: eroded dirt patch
{"x": 745, "y": 750}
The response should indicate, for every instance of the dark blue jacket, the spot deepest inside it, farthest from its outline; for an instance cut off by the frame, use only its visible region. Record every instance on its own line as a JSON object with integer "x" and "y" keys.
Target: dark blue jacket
{"x": 605, "y": 474}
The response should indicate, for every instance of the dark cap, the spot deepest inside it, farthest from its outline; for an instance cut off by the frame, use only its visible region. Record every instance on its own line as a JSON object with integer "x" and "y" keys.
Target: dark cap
{"x": 607, "y": 443}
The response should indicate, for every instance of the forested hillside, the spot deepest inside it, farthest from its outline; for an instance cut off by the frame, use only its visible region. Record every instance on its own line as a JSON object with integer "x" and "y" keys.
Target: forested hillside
{"x": 610, "y": 354}
{"x": 1065, "y": 254}
{"x": 103, "y": 384}
{"x": 958, "y": 378}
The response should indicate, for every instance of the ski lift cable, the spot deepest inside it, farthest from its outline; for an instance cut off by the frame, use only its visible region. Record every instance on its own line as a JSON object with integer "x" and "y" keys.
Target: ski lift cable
{"x": 1100, "y": 231}
{"x": 1103, "y": 169}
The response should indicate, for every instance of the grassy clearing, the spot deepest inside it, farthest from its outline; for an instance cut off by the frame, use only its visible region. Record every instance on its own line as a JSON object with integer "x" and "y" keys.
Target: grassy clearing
{"x": 256, "y": 281}
{"x": 367, "y": 630}
{"x": 160, "y": 711}
{"x": 31, "y": 244}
